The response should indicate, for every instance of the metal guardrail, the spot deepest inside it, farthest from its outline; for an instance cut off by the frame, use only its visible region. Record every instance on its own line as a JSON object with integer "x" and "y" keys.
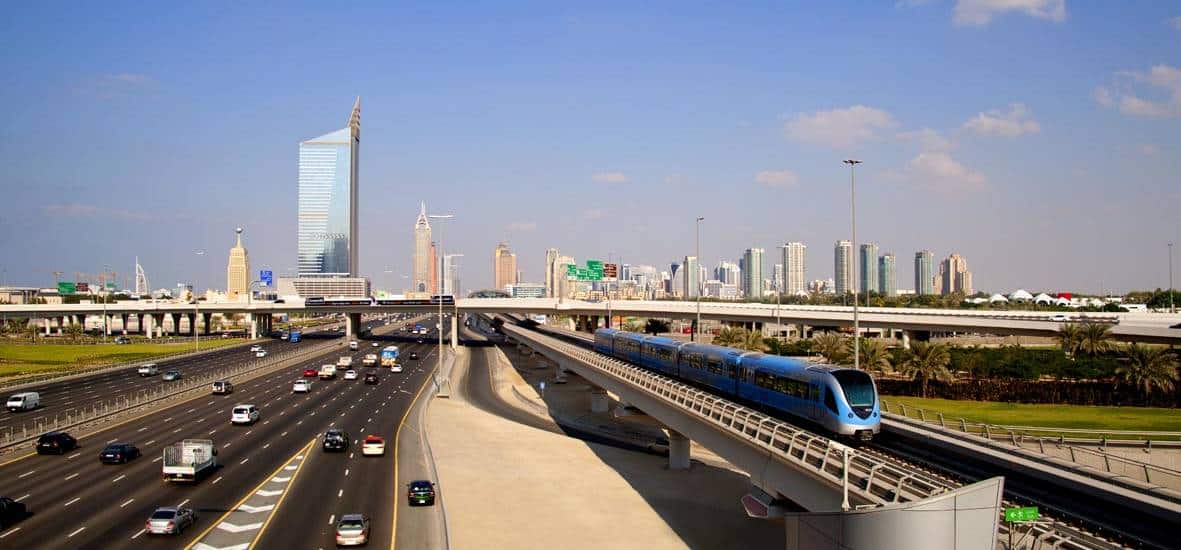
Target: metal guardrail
{"x": 875, "y": 477}
{"x": 15, "y": 438}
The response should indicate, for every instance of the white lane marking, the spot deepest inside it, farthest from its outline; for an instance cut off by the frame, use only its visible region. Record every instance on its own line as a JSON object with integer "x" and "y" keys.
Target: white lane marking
{"x": 73, "y": 456}
{"x": 129, "y": 501}
{"x": 72, "y": 476}
{"x": 176, "y": 430}
{"x": 143, "y": 429}
{"x": 227, "y": 444}
{"x": 76, "y": 499}
{"x": 227, "y": 526}
{"x": 183, "y": 502}
{"x": 76, "y": 531}
{"x": 350, "y": 455}
{"x": 10, "y": 531}
{"x": 157, "y": 459}
{"x": 193, "y": 409}
{"x": 346, "y": 472}
{"x": 167, "y": 419}
{"x": 284, "y": 434}
{"x": 133, "y": 537}
{"x": 291, "y": 467}
{"x": 26, "y": 474}
{"x": 112, "y": 441}
{"x": 22, "y": 498}
{"x": 247, "y": 433}
{"x": 118, "y": 478}
{"x": 149, "y": 443}
{"x": 217, "y": 480}
{"x": 245, "y": 460}
{"x": 255, "y": 509}
{"x": 265, "y": 493}
{"x": 331, "y": 519}
{"x": 199, "y": 420}
{"x": 278, "y": 479}
{"x": 213, "y": 431}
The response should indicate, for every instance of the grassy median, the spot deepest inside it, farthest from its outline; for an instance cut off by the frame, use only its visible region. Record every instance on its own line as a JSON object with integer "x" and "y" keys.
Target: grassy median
{"x": 1050, "y": 416}
{"x": 22, "y": 358}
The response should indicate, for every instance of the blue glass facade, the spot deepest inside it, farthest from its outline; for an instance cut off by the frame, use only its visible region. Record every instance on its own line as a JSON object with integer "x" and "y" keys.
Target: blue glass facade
{"x": 328, "y": 202}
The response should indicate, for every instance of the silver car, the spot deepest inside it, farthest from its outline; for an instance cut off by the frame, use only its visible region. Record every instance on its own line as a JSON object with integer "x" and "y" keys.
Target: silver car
{"x": 352, "y": 530}
{"x": 172, "y": 376}
{"x": 170, "y": 520}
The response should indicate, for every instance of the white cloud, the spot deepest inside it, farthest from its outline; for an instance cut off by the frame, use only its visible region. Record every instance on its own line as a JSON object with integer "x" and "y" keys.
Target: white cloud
{"x": 1175, "y": 22}
{"x": 839, "y": 128}
{"x": 610, "y": 177}
{"x": 522, "y": 226}
{"x": 981, "y": 12}
{"x": 780, "y": 179}
{"x": 928, "y": 139}
{"x": 1163, "y": 81}
{"x": 937, "y": 171}
{"x": 1017, "y": 121}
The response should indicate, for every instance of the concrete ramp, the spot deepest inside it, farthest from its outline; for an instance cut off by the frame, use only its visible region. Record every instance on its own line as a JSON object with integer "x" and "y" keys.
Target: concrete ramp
{"x": 964, "y": 519}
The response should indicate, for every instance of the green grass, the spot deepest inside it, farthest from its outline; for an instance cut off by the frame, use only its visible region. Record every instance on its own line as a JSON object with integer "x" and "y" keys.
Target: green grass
{"x": 22, "y": 358}
{"x": 1050, "y": 416}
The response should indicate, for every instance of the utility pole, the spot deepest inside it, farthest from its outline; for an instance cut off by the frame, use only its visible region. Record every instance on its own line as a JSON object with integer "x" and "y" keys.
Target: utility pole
{"x": 697, "y": 251}
{"x": 853, "y": 206}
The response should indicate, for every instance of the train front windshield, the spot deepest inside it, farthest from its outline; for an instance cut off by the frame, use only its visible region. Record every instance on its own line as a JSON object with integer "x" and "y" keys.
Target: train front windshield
{"x": 858, "y": 387}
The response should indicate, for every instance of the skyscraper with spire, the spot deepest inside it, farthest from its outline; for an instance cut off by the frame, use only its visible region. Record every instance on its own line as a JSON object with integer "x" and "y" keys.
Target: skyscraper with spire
{"x": 238, "y": 270}
{"x": 328, "y": 180}
{"x": 423, "y": 253}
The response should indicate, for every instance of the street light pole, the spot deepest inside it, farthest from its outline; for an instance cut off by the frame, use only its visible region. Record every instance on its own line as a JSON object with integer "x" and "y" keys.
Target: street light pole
{"x": 853, "y": 207}
{"x": 106, "y": 329}
{"x": 439, "y": 297}
{"x": 697, "y": 251}
{"x": 1171, "y": 310}
{"x": 196, "y": 311}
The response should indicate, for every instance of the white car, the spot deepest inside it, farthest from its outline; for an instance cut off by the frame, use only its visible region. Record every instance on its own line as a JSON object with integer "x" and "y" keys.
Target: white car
{"x": 373, "y": 446}
{"x": 260, "y": 353}
{"x": 345, "y": 361}
{"x": 350, "y": 374}
{"x": 1059, "y": 318}
{"x": 369, "y": 360}
{"x": 244, "y": 414}
{"x": 395, "y": 368}
{"x": 148, "y": 370}
{"x": 374, "y": 344}
{"x": 255, "y": 348}
{"x": 301, "y": 386}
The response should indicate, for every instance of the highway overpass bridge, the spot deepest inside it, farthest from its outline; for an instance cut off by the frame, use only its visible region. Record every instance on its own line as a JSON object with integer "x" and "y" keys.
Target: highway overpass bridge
{"x": 150, "y": 316}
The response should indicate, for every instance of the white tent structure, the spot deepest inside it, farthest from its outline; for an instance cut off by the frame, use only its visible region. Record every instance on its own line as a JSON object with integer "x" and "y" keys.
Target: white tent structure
{"x": 1043, "y": 299}
{"x": 995, "y": 298}
{"x": 1020, "y": 295}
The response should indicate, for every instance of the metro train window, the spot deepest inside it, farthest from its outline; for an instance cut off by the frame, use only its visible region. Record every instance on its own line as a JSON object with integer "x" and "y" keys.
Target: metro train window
{"x": 857, "y": 386}
{"x": 829, "y": 400}
{"x": 715, "y": 366}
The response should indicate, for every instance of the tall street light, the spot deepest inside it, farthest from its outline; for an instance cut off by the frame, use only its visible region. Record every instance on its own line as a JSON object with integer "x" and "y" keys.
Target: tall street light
{"x": 439, "y": 297}
{"x": 697, "y": 251}
{"x": 196, "y": 309}
{"x": 853, "y": 206}
{"x": 1171, "y": 310}
{"x": 106, "y": 329}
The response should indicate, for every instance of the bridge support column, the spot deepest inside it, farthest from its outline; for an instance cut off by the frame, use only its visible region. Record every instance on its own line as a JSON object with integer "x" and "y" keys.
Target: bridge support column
{"x": 598, "y": 400}
{"x": 61, "y": 324}
{"x": 123, "y": 325}
{"x": 252, "y": 323}
{"x": 906, "y": 339}
{"x": 594, "y": 324}
{"x": 175, "y": 323}
{"x": 352, "y": 326}
{"x": 678, "y": 451}
{"x": 454, "y": 331}
{"x": 48, "y": 324}
{"x": 192, "y": 323}
{"x": 207, "y": 320}
{"x": 158, "y": 323}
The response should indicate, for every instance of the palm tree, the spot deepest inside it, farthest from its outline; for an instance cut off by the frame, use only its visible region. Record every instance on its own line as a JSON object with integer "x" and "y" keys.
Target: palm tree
{"x": 729, "y": 336}
{"x": 74, "y": 331}
{"x": 752, "y": 341}
{"x": 655, "y": 326}
{"x": 1070, "y": 338}
{"x": 874, "y": 355}
{"x": 831, "y": 347}
{"x": 928, "y": 361}
{"x": 1147, "y": 367}
{"x": 1095, "y": 338}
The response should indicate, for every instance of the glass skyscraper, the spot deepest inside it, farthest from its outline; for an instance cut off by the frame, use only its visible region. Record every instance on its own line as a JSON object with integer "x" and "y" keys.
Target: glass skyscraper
{"x": 328, "y": 201}
{"x": 869, "y": 268}
{"x": 887, "y": 275}
{"x": 924, "y": 272}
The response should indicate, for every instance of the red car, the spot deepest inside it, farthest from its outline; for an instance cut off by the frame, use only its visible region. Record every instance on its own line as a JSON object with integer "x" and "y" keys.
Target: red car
{"x": 309, "y": 373}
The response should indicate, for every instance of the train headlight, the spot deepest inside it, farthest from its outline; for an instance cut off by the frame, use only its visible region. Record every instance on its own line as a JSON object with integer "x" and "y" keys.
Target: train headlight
{"x": 850, "y": 415}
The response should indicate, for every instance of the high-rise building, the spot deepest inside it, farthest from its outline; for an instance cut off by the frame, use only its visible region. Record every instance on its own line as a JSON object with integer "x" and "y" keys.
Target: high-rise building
{"x": 504, "y": 266}
{"x": 551, "y": 278}
{"x": 843, "y": 267}
{"x": 954, "y": 275}
{"x": 433, "y": 272}
{"x": 752, "y": 273}
{"x": 777, "y": 278}
{"x": 728, "y": 273}
{"x": 794, "y": 270}
{"x": 887, "y": 275}
{"x": 238, "y": 270}
{"x": 328, "y": 178}
{"x": 692, "y": 279}
{"x": 924, "y": 272}
{"x": 451, "y": 275}
{"x": 421, "y": 278}
{"x": 869, "y": 268}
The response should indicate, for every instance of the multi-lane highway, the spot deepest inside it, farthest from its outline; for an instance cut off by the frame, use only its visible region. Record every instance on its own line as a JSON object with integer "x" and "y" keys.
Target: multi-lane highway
{"x": 77, "y": 502}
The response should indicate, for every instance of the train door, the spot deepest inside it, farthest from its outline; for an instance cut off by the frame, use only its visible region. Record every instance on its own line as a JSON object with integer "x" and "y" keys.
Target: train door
{"x": 815, "y": 409}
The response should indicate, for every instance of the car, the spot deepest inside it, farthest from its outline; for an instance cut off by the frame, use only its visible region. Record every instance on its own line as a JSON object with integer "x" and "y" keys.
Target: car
{"x": 122, "y": 340}
{"x": 352, "y": 530}
{"x": 327, "y": 372}
{"x": 395, "y": 368}
{"x": 301, "y": 386}
{"x": 421, "y": 493}
{"x": 255, "y": 348}
{"x": 57, "y": 443}
{"x": 1059, "y": 318}
{"x": 421, "y": 341}
{"x": 371, "y": 378}
{"x": 11, "y": 512}
{"x": 148, "y": 370}
{"x": 172, "y": 376}
{"x": 310, "y": 372}
{"x": 350, "y": 374}
{"x": 370, "y": 360}
{"x": 344, "y": 362}
{"x": 118, "y": 453}
{"x": 260, "y": 353}
{"x": 413, "y": 355}
{"x": 283, "y": 336}
{"x": 375, "y": 344}
{"x": 170, "y": 520}
{"x": 24, "y": 401}
{"x": 373, "y": 446}
{"x": 336, "y": 439}
{"x": 353, "y": 345}
{"x": 244, "y": 414}
{"x": 222, "y": 387}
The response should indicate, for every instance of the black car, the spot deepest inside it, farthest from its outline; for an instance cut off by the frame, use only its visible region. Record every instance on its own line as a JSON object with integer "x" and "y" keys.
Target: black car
{"x": 119, "y": 453}
{"x": 371, "y": 378}
{"x": 122, "y": 340}
{"x": 336, "y": 440}
{"x": 56, "y": 443}
{"x": 413, "y": 355}
{"x": 421, "y": 492}
{"x": 11, "y": 512}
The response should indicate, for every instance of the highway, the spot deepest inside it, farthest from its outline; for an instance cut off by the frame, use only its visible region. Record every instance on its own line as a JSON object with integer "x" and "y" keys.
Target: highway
{"x": 77, "y": 502}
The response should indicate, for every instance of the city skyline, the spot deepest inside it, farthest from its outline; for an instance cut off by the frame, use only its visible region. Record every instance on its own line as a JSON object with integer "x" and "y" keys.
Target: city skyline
{"x": 971, "y": 149}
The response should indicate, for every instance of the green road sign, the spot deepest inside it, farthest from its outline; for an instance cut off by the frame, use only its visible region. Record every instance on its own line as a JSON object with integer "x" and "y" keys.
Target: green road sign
{"x": 1025, "y": 513}
{"x": 66, "y": 288}
{"x": 571, "y": 270}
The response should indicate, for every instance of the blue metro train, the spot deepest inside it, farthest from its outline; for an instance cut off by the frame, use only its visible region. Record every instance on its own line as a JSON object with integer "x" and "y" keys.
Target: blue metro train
{"x": 841, "y": 400}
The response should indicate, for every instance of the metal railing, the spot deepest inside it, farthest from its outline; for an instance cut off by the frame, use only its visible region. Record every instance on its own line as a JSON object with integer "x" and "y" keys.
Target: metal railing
{"x": 875, "y": 478}
{"x": 16, "y": 437}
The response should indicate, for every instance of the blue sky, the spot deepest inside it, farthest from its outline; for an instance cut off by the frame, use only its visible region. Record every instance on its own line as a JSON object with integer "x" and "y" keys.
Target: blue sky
{"x": 1038, "y": 138}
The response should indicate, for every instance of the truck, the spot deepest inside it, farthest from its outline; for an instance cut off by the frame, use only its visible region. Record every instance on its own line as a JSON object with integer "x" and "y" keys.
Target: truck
{"x": 370, "y": 360}
{"x": 344, "y": 362}
{"x": 294, "y": 337}
{"x": 327, "y": 372}
{"x": 389, "y": 356}
{"x": 189, "y": 460}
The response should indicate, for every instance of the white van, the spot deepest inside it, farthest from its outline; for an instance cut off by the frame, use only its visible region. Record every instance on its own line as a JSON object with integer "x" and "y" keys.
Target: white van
{"x": 353, "y": 345}
{"x": 244, "y": 414}
{"x": 26, "y": 401}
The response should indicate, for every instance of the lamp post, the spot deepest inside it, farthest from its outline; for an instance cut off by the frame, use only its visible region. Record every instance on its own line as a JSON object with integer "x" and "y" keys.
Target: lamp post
{"x": 439, "y": 298}
{"x": 853, "y": 207}
{"x": 103, "y": 283}
{"x": 1171, "y": 310}
{"x": 697, "y": 252}
{"x": 196, "y": 310}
